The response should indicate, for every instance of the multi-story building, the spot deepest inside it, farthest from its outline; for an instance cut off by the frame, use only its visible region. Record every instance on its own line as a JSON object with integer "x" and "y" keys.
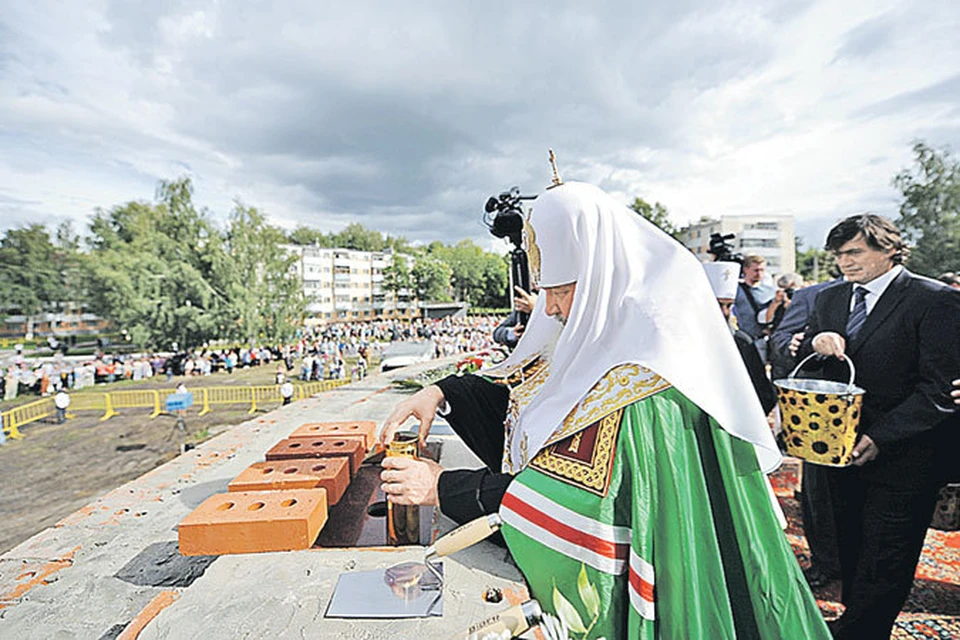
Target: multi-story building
{"x": 71, "y": 320}
{"x": 345, "y": 284}
{"x": 770, "y": 236}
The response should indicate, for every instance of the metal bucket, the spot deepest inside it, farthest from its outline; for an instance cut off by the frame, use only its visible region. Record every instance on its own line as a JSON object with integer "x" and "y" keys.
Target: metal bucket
{"x": 820, "y": 417}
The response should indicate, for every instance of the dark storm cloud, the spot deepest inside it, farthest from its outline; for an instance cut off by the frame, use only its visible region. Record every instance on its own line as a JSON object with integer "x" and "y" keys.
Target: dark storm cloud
{"x": 406, "y": 117}
{"x": 330, "y": 110}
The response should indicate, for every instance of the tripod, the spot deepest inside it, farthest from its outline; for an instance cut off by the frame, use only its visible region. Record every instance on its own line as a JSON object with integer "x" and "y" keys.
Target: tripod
{"x": 181, "y": 426}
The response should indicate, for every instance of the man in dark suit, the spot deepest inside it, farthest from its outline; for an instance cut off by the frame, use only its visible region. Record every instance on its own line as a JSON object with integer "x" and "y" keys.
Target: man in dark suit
{"x": 902, "y": 332}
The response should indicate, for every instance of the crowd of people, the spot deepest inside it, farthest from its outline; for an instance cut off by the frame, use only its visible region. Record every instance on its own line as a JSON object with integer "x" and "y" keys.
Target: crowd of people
{"x": 322, "y": 352}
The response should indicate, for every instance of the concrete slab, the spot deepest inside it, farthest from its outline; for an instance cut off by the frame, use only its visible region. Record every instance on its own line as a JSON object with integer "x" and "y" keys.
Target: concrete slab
{"x": 62, "y": 582}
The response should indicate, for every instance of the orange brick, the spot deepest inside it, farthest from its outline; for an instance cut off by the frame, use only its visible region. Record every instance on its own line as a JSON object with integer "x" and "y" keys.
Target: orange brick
{"x": 332, "y": 474}
{"x": 366, "y": 429}
{"x": 319, "y": 447}
{"x": 254, "y": 521}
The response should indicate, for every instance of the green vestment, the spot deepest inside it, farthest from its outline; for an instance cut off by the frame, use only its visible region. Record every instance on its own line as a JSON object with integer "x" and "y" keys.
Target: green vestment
{"x": 666, "y": 521}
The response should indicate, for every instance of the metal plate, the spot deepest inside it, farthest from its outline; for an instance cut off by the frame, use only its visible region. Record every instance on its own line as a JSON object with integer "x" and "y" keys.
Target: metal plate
{"x": 366, "y": 594}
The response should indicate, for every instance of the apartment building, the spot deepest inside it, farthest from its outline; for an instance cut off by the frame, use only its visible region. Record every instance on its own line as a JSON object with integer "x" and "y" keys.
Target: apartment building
{"x": 72, "y": 320}
{"x": 769, "y": 235}
{"x": 345, "y": 284}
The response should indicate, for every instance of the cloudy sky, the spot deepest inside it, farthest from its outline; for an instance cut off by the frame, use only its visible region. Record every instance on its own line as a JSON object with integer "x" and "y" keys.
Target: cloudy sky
{"x": 407, "y": 116}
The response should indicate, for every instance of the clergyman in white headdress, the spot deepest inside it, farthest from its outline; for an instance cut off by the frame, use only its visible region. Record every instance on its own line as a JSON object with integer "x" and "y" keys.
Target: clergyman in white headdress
{"x": 723, "y": 278}
{"x": 628, "y": 467}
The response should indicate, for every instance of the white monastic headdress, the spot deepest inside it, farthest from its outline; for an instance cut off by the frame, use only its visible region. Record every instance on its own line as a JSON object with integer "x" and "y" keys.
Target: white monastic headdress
{"x": 723, "y": 277}
{"x": 641, "y": 298}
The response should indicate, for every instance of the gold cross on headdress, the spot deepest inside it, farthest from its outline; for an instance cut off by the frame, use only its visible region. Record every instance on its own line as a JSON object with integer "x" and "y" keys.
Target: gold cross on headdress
{"x": 557, "y": 181}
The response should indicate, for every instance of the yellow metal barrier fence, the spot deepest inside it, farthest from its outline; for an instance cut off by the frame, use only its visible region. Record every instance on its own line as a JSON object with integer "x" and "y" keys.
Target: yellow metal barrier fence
{"x": 308, "y": 389}
{"x": 91, "y": 402}
{"x": 155, "y": 399}
{"x": 25, "y": 414}
{"x": 136, "y": 399}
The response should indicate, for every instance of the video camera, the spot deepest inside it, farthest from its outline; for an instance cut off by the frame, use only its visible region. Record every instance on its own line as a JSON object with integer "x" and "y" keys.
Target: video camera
{"x": 723, "y": 250}
{"x": 503, "y": 215}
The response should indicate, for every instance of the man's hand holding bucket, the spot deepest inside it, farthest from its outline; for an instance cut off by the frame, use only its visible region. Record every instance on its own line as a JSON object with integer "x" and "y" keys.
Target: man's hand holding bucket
{"x": 830, "y": 343}
{"x": 864, "y": 451}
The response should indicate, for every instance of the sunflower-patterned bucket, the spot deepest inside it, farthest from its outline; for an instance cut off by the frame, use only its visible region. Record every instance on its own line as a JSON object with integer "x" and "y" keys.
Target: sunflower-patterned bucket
{"x": 820, "y": 417}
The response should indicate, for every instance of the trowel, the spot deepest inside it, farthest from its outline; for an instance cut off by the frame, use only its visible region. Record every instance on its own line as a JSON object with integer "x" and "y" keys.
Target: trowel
{"x": 409, "y": 589}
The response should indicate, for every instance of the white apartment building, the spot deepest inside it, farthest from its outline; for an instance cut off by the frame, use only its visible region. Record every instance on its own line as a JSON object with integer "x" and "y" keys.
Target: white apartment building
{"x": 345, "y": 284}
{"x": 770, "y": 236}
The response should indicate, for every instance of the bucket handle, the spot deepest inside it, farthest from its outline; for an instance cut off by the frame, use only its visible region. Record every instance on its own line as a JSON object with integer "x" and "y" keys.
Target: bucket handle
{"x": 853, "y": 371}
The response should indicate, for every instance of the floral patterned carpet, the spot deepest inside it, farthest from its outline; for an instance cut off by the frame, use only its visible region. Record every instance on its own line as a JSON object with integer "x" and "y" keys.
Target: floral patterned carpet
{"x": 933, "y": 608}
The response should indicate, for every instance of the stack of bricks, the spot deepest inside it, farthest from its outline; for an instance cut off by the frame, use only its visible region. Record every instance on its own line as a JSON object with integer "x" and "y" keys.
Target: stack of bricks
{"x": 281, "y": 504}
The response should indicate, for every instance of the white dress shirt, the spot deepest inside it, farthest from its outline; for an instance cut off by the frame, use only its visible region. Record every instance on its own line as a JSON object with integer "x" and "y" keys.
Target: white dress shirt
{"x": 875, "y": 288}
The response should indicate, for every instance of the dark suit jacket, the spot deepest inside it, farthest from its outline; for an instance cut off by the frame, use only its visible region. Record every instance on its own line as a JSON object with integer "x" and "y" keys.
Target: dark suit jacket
{"x": 795, "y": 319}
{"x": 906, "y": 355}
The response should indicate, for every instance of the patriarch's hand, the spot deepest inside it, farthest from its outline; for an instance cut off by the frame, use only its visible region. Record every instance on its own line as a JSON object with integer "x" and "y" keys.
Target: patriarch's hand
{"x": 422, "y": 405}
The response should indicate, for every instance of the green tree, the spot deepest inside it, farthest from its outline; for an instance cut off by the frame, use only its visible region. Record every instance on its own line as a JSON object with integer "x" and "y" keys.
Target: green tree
{"x": 263, "y": 298}
{"x": 431, "y": 278}
{"x": 32, "y": 278}
{"x": 353, "y": 236}
{"x": 303, "y": 236}
{"x": 150, "y": 277}
{"x": 358, "y": 237}
{"x": 655, "y": 213}
{"x": 930, "y": 210}
{"x": 496, "y": 281}
{"x": 398, "y": 244}
{"x": 396, "y": 276}
{"x": 151, "y": 267}
{"x": 69, "y": 267}
{"x": 164, "y": 273}
{"x": 466, "y": 263}
{"x": 815, "y": 264}
{"x": 473, "y": 275}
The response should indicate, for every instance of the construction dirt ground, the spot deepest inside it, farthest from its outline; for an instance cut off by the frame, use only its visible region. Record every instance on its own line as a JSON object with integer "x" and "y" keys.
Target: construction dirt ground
{"x": 57, "y": 468}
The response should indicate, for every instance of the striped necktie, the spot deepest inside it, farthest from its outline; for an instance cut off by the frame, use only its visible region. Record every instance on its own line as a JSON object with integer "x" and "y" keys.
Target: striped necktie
{"x": 859, "y": 314}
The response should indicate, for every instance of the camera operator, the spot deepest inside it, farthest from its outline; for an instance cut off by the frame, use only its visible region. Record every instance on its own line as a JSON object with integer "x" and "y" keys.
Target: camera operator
{"x": 508, "y": 332}
{"x": 753, "y": 296}
{"x": 787, "y": 285}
